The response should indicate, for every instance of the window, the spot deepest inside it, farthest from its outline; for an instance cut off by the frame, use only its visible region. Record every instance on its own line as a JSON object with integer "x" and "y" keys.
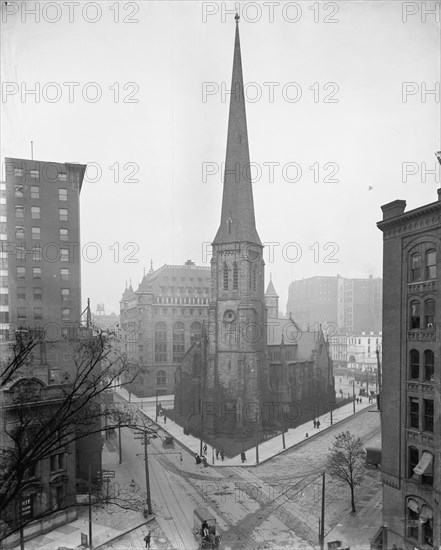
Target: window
{"x": 38, "y": 293}
{"x": 414, "y": 412}
{"x": 415, "y": 315}
{"x": 21, "y": 293}
{"x": 65, "y": 314}
{"x": 161, "y": 378}
{"x": 36, "y": 254}
{"x": 64, "y": 254}
{"x": 36, "y": 233}
{"x": 21, "y": 273}
{"x": 63, "y": 214}
{"x": 19, "y": 211}
{"x": 178, "y": 341}
{"x": 195, "y": 332}
{"x": 160, "y": 342}
{"x": 429, "y": 313}
{"x": 428, "y": 415}
{"x": 426, "y": 518}
{"x": 18, "y": 172}
{"x": 35, "y": 212}
{"x": 431, "y": 264}
{"x": 225, "y": 272}
{"x": 36, "y": 272}
{"x": 19, "y": 232}
{"x": 62, "y": 194}
{"x": 412, "y": 519}
{"x": 38, "y": 313}
{"x": 62, "y": 176}
{"x": 65, "y": 294}
{"x": 235, "y": 276}
{"x": 57, "y": 462}
{"x": 429, "y": 365}
{"x": 21, "y": 313}
{"x": 64, "y": 274}
{"x": 416, "y": 267}
{"x": 19, "y": 191}
{"x": 427, "y": 476}
{"x": 414, "y": 357}
{"x": 35, "y": 174}
{"x": 35, "y": 192}
{"x": 412, "y": 460}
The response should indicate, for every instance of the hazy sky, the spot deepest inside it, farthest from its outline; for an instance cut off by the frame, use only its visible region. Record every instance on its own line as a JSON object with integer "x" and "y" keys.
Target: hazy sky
{"x": 335, "y": 110}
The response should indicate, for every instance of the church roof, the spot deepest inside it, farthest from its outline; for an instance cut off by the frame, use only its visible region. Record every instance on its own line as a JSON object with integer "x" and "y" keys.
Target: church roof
{"x": 288, "y": 332}
{"x": 271, "y": 291}
{"x": 237, "y": 218}
{"x": 171, "y": 275}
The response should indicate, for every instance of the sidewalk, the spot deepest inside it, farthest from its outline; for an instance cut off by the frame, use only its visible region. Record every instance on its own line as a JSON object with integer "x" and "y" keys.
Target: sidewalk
{"x": 267, "y": 449}
{"x": 105, "y": 526}
{"x": 356, "y": 531}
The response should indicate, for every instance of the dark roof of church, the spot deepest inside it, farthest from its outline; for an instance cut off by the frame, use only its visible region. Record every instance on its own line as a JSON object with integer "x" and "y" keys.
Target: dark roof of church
{"x": 290, "y": 333}
{"x": 154, "y": 279}
{"x": 237, "y": 218}
{"x": 271, "y": 291}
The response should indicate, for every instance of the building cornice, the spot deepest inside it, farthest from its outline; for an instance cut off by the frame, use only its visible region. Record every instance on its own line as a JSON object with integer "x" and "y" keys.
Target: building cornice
{"x": 419, "y": 218}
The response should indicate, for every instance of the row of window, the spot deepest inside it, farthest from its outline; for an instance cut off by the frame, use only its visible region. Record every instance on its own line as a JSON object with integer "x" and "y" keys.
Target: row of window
{"x": 423, "y": 266}
{"x": 421, "y": 418}
{"x": 56, "y": 462}
{"x": 175, "y": 311}
{"x": 36, "y": 274}
{"x": 160, "y": 300}
{"x": 23, "y": 313}
{"x": 428, "y": 370}
{"x": 37, "y": 294}
{"x": 178, "y": 339}
{"x": 35, "y": 192}
{"x": 252, "y": 281}
{"x": 422, "y": 314}
{"x": 19, "y": 172}
{"x": 62, "y": 254}
{"x": 183, "y": 290}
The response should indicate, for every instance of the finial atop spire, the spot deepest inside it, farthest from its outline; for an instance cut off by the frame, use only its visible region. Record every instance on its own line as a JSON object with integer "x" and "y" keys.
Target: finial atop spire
{"x": 237, "y": 17}
{"x": 144, "y": 272}
{"x": 151, "y": 266}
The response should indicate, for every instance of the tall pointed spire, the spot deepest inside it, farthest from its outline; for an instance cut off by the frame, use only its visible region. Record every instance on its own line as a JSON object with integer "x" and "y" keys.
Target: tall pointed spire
{"x": 237, "y": 218}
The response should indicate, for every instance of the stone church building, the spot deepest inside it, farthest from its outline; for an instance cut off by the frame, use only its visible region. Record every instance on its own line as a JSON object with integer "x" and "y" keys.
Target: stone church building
{"x": 251, "y": 371}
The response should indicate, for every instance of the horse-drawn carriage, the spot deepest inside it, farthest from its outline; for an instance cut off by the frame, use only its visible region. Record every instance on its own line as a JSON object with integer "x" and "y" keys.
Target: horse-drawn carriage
{"x": 204, "y": 529}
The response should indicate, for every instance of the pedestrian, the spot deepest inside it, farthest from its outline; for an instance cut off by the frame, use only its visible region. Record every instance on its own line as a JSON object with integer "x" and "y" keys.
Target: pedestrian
{"x": 243, "y": 457}
{"x": 205, "y": 449}
{"x": 217, "y": 454}
{"x": 361, "y": 399}
{"x": 222, "y": 455}
{"x": 165, "y": 419}
{"x": 315, "y": 423}
{"x": 147, "y": 539}
{"x": 318, "y": 424}
{"x": 198, "y": 460}
{"x": 204, "y": 460}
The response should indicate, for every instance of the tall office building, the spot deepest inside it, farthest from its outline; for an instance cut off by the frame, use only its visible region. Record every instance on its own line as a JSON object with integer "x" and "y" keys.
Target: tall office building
{"x": 411, "y": 387}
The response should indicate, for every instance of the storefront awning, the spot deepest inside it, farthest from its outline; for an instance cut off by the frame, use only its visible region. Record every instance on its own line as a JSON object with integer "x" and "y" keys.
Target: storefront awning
{"x": 426, "y": 513}
{"x": 412, "y": 504}
{"x": 424, "y": 463}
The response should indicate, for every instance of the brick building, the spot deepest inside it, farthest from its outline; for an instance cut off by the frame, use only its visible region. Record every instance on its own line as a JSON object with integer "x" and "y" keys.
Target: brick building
{"x": 411, "y": 386}
{"x": 40, "y": 293}
{"x": 160, "y": 320}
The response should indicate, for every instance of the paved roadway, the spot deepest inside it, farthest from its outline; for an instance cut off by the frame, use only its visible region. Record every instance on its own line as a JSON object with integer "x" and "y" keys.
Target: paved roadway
{"x": 285, "y": 506}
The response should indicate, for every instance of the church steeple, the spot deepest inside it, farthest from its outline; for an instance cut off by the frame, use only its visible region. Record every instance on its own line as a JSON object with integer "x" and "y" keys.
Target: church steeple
{"x": 237, "y": 218}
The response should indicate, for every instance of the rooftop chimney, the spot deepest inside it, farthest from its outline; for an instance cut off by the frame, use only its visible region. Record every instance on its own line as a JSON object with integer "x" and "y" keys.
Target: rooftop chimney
{"x": 393, "y": 209}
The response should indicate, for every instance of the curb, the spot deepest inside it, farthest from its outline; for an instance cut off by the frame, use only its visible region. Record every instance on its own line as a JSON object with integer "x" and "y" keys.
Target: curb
{"x": 113, "y": 539}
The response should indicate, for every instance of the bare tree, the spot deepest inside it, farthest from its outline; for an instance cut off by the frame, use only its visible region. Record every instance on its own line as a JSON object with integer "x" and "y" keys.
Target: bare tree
{"x": 50, "y": 418}
{"x": 346, "y": 461}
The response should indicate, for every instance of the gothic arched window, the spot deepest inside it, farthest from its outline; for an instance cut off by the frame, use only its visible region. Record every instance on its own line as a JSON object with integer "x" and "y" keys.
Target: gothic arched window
{"x": 429, "y": 365}
{"x": 414, "y": 357}
{"x": 195, "y": 332}
{"x": 225, "y": 274}
{"x": 235, "y": 276}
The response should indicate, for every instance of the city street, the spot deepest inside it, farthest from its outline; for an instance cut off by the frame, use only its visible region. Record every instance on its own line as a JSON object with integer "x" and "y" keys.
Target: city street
{"x": 275, "y": 503}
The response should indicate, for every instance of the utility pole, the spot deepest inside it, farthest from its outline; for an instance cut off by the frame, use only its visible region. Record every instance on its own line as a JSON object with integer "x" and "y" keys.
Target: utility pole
{"x": 90, "y": 506}
{"x": 20, "y": 516}
{"x": 353, "y": 395}
{"x": 119, "y": 439}
{"x": 322, "y": 522}
{"x": 156, "y": 414}
{"x": 283, "y": 431}
{"x": 147, "y": 478}
{"x": 257, "y": 438}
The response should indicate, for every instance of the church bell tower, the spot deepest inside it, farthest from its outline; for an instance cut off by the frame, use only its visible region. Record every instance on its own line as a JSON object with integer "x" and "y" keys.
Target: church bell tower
{"x": 237, "y": 339}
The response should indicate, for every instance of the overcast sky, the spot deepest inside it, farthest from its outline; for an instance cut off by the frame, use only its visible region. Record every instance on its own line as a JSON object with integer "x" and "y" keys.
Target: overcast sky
{"x": 336, "y": 105}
